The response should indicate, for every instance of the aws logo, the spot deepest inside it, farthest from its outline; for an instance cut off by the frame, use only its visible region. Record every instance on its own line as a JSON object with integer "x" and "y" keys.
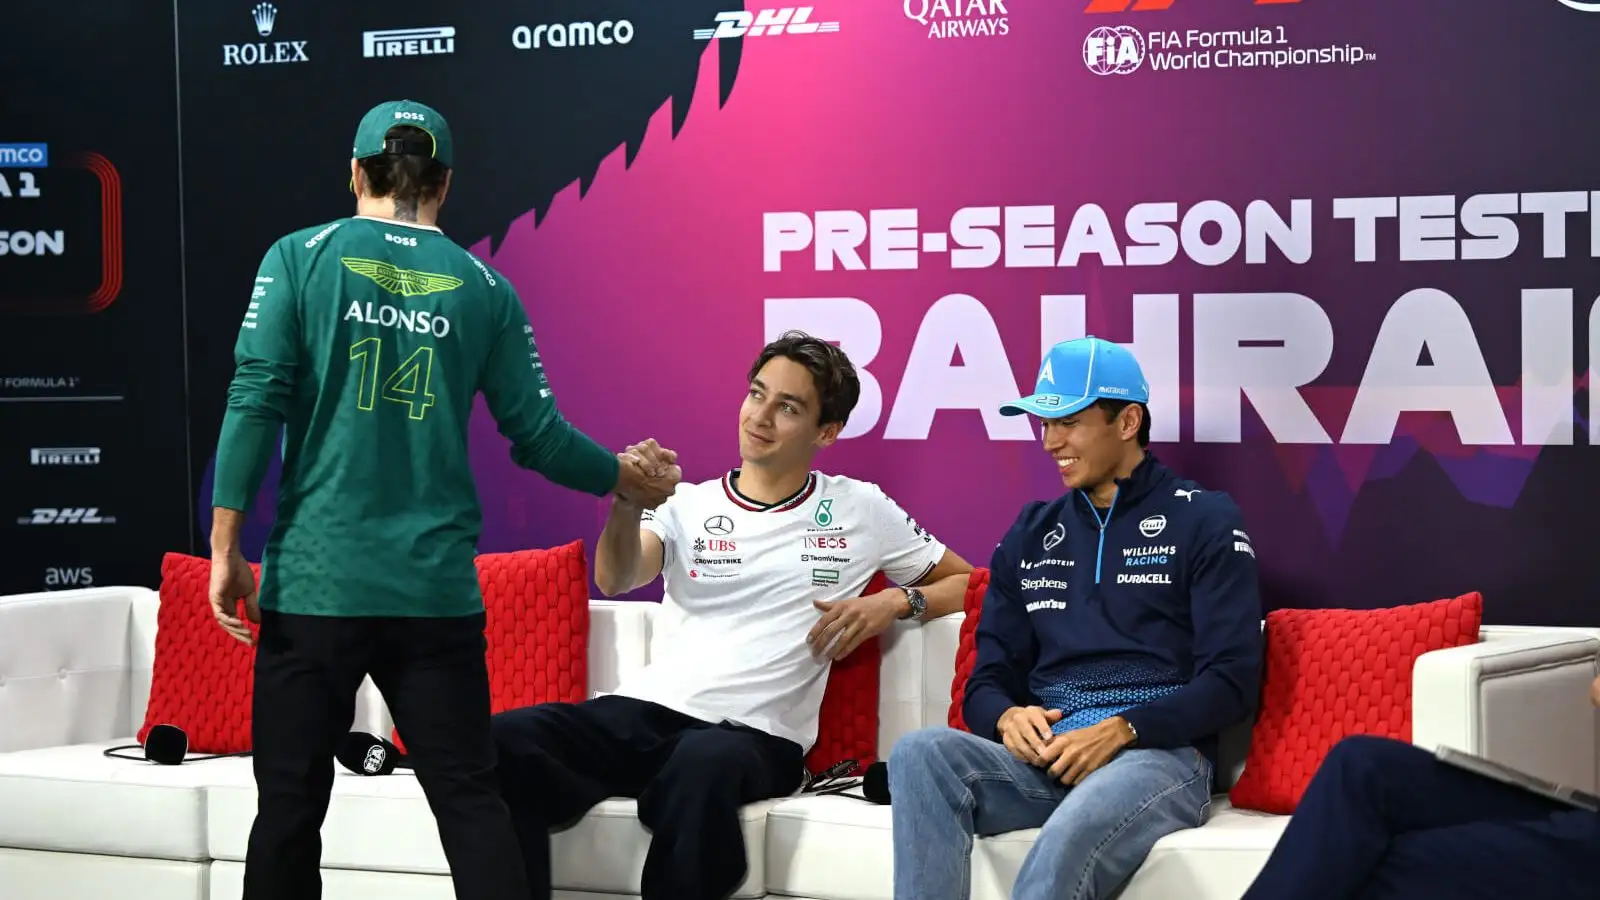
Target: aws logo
{"x": 1122, "y": 6}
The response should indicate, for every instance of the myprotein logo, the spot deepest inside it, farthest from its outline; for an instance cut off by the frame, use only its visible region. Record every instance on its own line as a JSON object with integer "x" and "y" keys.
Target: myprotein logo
{"x": 738, "y": 23}
{"x": 435, "y": 41}
{"x": 64, "y": 456}
{"x": 265, "y": 18}
{"x": 561, "y": 35}
{"x": 70, "y": 515}
{"x": 1124, "y": 6}
{"x": 57, "y": 577}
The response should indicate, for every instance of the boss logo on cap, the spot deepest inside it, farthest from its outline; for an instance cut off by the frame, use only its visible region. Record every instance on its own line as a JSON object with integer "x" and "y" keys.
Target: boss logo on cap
{"x": 415, "y": 117}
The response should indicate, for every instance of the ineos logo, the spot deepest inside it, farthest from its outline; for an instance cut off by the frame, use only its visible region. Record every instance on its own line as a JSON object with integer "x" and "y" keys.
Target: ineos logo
{"x": 719, "y": 525}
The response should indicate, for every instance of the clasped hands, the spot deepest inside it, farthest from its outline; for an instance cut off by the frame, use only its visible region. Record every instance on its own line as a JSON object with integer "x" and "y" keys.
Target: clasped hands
{"x": 1069, "y": 756}
{"x": 649, "y": 474}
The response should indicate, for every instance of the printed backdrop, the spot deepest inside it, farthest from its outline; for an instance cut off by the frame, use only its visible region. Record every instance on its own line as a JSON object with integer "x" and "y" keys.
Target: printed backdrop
{"x": 1353, "y": 245}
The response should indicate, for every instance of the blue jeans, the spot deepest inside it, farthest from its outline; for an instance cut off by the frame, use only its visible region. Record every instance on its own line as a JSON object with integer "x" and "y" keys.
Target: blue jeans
{"x": 948, "y": 785}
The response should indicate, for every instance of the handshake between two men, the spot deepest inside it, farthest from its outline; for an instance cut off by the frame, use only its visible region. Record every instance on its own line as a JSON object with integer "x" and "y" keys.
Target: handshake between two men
{"x": 649, "y": 474}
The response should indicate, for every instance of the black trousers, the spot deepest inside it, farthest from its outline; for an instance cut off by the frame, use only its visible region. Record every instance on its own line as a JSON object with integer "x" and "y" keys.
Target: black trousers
{"x": 1385, "y": 820}
{"x": 434, "y": 678}
{"x": 557, "y": 760}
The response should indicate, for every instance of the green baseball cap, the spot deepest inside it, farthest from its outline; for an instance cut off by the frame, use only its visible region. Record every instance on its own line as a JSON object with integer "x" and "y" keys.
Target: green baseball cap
{"x": 375, "y": 125}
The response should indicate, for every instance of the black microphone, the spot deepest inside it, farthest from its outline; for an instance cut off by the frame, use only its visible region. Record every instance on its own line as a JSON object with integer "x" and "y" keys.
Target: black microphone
{"x": 166, "y": 745}
{"x": 368, "y": 754}
{"x": 875, "y": 783}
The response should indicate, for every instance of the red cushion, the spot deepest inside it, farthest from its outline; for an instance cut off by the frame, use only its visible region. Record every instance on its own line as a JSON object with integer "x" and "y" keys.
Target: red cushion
{"x": 967, "y": 648}
{"x": 536, "y": 605}
{"x": 202, "y": 679}
{"x": 847, "y": 726}
{"x": 1331, "y": 673}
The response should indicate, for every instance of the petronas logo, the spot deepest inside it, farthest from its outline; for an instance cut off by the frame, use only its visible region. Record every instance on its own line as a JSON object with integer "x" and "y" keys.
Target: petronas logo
{"x": 824, "y": 516}
{"x": 395, "y": 280}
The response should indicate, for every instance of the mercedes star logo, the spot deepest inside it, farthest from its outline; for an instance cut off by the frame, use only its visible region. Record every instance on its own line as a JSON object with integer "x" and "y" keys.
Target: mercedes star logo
{"x": 719, "y": 525}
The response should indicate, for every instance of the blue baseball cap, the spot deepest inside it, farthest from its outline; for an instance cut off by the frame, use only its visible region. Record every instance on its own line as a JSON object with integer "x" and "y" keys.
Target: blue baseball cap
{"x": 1075, "y": 374}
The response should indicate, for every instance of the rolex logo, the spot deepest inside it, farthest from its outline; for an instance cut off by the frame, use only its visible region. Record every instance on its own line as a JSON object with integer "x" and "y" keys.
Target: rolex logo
{"x": 264, "y": 14}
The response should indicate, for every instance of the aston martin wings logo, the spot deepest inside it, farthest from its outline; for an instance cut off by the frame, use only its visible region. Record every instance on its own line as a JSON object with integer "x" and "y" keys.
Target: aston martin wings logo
{"x": 395, "y": 280}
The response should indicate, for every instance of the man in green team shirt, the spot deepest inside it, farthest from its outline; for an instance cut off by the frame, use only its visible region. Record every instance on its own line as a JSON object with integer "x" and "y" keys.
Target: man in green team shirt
{"x": 365, "y": 343}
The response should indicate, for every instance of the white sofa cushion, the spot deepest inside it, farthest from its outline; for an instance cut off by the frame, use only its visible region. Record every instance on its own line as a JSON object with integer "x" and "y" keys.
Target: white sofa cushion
{"x": 1216, "y": 861}
{"x": 841, "y": 849}
{"x": 384, "y": 824}
{"x": 78, "y": 800}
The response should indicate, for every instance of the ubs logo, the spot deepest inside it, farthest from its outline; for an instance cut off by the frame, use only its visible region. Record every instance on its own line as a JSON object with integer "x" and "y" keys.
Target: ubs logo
{"x": 719, "y": 525}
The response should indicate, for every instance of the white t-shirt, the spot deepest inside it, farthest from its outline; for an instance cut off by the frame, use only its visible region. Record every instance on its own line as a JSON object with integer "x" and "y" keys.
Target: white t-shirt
{"x": 740, "y": 576}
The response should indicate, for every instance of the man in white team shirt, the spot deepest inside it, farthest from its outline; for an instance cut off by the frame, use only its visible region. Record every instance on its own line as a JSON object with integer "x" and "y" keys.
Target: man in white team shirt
{"x": 764, "y": 569}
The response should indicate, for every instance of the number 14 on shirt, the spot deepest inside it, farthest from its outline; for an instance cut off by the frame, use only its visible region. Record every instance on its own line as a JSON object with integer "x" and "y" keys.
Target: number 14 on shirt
{"x": 409, "y": 383}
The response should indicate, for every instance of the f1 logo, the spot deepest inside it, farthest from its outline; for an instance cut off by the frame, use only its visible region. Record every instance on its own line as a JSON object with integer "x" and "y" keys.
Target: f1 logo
{"x": 1122, "y": 6}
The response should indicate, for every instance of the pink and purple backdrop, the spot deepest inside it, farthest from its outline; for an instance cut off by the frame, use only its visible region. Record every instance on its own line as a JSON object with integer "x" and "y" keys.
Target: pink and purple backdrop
{"x": 652, "y": 284}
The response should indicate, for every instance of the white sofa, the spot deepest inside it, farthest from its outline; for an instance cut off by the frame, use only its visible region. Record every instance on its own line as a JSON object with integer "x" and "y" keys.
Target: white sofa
{"x": 75, "y": 674}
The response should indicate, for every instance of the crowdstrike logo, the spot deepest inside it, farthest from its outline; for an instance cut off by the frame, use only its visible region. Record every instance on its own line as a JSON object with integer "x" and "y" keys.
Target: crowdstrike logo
{"x": 265, "y": 17}
{"x": 434, "y": 41}
{"x": 572, "y": 34}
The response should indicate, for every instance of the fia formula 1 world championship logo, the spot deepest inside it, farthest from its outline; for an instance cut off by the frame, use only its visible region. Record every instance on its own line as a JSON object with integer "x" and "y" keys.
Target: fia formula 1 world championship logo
{"x": 1114, "y": 50}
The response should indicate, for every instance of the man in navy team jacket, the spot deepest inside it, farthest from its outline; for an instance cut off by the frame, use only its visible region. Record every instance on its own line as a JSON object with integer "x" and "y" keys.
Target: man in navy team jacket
{"x": 1121, "y": 633}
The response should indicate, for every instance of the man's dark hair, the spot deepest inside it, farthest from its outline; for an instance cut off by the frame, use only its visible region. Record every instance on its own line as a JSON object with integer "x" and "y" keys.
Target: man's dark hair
{"x": 1113, "y": 408}
{"x": 411, "y": 179}
{"x": 834, "y": 375}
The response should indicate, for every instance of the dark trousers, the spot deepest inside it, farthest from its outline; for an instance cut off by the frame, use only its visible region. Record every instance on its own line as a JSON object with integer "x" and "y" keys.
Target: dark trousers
{"x": 434, "y": 678}
{"x": 1383, "y": 820}
{"x": 557, "y": 760}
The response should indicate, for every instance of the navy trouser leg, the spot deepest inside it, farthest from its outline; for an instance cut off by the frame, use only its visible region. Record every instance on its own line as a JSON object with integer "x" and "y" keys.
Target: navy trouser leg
{"x": 1371, "y": 795}
{"x": 1551, "y": 858}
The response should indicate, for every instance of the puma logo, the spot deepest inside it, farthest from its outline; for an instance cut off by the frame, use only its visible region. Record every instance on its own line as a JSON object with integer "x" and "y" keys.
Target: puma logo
{"x": 1187, "y": 495}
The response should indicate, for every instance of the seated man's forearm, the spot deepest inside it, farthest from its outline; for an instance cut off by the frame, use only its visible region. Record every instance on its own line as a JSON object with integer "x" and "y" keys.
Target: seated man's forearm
{"x": 617, "y": 555}
{"x": 945, "y": 596}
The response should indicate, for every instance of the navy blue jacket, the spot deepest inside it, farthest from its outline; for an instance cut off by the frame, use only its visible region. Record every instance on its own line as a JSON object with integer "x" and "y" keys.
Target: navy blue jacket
{"x": 1155, "y": 617}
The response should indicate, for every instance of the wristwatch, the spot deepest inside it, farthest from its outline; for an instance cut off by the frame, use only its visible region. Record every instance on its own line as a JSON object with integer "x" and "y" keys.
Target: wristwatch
{"x": 918, "y": 602}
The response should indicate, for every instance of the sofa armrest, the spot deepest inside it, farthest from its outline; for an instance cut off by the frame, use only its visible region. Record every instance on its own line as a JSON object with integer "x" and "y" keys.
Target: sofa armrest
{"x": 65, "y": 668}
{"x": 1521, "y": 700}
{"x": 619, "y": 641}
